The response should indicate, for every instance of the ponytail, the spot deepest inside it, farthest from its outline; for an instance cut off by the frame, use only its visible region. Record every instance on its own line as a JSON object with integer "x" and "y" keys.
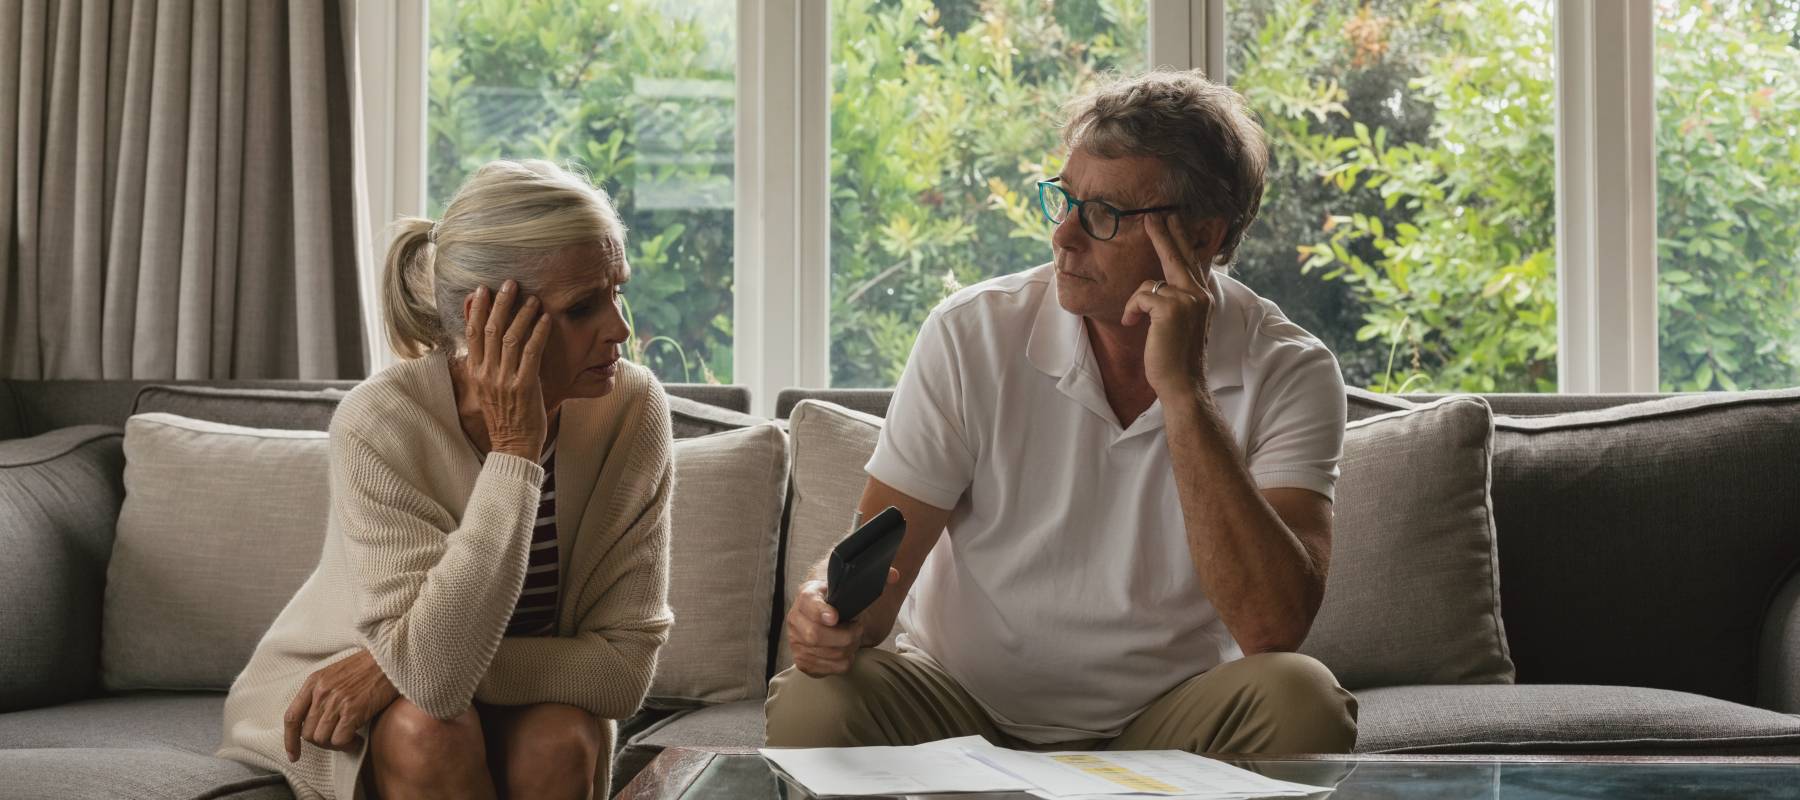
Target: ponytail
{"x": 500, "y": 224}
{"x": 408, "y": 304}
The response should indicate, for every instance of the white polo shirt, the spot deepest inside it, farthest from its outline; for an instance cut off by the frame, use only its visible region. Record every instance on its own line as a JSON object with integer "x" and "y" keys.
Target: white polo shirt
{"x": 1063, "y": 596}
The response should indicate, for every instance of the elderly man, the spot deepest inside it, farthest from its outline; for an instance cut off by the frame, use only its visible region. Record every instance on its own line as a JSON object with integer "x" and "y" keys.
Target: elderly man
{"x": 1117, "y": 473}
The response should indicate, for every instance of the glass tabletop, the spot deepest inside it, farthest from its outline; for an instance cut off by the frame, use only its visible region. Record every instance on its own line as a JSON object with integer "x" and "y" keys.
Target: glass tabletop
{"x": 748, "y": 776}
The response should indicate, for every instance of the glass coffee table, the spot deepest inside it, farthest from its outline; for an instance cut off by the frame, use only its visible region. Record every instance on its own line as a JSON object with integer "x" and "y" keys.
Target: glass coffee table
{"x": 740, "y": 774}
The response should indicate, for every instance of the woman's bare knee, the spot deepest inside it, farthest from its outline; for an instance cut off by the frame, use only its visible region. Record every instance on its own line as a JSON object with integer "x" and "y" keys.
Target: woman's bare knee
{"x": 410, "y": 748}
{"x": 551, "y": 749}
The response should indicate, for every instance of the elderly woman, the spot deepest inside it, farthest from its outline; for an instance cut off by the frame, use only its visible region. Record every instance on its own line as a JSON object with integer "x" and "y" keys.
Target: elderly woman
{"x": 491, "y": 593}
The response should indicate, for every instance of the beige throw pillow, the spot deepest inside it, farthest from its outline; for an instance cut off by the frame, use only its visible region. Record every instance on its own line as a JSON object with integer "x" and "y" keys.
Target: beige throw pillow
{"x": 1414, "y": 591}
{"x": 221, "y": 524}
{"x": 831, "y": 445}
{"x": 726, "y": 526}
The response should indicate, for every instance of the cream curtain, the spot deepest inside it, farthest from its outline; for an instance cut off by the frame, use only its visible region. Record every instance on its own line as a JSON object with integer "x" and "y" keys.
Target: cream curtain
{"x": 179, "y": 189}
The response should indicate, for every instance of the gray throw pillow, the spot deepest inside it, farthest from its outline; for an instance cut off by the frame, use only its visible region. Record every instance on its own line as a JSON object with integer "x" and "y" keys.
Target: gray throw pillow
{"x": 221, "y": 525}
{"x": 1413, "y": 595}
{"x": 59, "y": 495}
{"x": 726, "y": 525}
{"x": 831, "y": 445}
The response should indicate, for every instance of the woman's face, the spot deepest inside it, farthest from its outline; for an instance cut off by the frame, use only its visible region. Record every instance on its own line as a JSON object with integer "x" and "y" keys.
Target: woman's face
{"x": 580, "y": 287}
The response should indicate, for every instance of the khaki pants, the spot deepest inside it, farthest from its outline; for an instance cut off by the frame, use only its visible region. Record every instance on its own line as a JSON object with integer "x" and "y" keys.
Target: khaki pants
{"x": 1267, "y": 703}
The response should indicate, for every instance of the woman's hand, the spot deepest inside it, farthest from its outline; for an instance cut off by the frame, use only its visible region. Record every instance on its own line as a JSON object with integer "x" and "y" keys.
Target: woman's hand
{"x": 504, "y": 349}
{"x": 335, "y": 702}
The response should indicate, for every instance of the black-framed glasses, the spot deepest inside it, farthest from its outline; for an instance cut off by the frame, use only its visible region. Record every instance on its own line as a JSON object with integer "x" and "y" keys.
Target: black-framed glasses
{"x": 1099, "y": 218}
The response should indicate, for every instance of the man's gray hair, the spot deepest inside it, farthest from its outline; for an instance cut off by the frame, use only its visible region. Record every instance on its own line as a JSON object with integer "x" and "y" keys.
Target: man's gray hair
{"x": 1217, "y": 154}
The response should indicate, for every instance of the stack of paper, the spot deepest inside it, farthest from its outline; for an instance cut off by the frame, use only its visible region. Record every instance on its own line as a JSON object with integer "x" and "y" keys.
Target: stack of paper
{"x": 971, "y": 764}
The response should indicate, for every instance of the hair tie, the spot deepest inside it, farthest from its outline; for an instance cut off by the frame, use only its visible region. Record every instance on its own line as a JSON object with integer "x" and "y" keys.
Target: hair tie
{"x": 431, "y": 232}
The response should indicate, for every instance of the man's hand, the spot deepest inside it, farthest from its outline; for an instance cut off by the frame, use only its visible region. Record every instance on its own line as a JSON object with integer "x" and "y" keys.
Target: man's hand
{"x": 335, "y": 702}
{"x": 823, "y": 644}
{"x": 1179, "y": 308}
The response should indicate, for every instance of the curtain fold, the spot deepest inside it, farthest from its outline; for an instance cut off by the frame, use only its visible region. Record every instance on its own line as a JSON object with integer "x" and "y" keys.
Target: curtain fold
{"x": 178, "y": 190}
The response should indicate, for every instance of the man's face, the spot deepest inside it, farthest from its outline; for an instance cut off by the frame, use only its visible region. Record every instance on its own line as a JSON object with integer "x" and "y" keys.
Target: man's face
{"x": 1095, "y": 278}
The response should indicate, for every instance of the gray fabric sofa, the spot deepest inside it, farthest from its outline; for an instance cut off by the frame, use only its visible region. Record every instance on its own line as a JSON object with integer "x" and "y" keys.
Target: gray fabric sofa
{"x": 1648, "y": 551}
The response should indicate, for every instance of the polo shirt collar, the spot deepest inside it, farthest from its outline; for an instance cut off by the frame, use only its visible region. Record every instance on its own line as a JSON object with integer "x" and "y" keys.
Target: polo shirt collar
{"x": 1058, "y": 340}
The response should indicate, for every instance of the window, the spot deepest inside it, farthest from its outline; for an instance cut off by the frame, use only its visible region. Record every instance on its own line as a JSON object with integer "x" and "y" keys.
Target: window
{"x": 1728, "y": 193}
{"x": 637, "y": 94}
{"x": 1412, "y": 220}
{"x": 1410, "y": 216}
{"x": 943, "y": 118}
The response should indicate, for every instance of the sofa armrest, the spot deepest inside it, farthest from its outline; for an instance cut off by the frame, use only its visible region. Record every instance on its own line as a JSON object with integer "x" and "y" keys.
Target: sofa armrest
{"x": 1778, "y": 673}
{"x": 60, "y": 494}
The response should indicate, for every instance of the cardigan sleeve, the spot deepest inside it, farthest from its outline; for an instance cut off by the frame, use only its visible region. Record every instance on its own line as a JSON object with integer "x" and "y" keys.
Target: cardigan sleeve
{"x": 622, "y": 612}
{"x": 433, "y": 596}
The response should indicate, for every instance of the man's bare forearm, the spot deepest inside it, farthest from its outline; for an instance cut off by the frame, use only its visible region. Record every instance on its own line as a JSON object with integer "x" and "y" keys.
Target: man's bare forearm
{"x": 1257, "y": 572}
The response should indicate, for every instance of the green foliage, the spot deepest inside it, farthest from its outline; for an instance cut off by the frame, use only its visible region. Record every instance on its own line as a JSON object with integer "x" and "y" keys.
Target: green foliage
{"x": 1728, "y": 196}
{"x": 1439, "y": 217}
{"x": 630, "y": 94}
{"x": 1410, "y": 218}
{"x": 942, "y": 116}
{"x": 1414, "y": 168}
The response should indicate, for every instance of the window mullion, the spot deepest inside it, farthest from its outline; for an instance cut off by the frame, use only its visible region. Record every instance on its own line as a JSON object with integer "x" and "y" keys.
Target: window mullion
{"x": 1606, "y": 197}
{"x": 781, "y": 284}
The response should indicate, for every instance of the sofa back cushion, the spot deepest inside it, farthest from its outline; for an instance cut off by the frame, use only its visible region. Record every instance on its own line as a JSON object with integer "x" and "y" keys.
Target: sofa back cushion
{"x": 221, "y": 524}
{"x": 831, "y": 444}
{"x": 1641, "y": 544}
{"x": 287, "y": 409}
{"x": 10, "y": 427}
{"x": 726, "y": 525}
{"x": 1413, "y": 595}
{"x": 59, "y": 495}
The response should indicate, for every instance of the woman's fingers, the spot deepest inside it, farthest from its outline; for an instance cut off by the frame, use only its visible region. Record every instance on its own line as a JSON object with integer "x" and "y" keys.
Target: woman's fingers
{"x": 343, "y": 734}
{"x": 513, "y": 342}
{"x": 295, "y": 717}
{"x": 498, "y": 319}
{"x": 479, "y": 307}
{"x": 321, "y": 721}
{"x": 533, "y": 353}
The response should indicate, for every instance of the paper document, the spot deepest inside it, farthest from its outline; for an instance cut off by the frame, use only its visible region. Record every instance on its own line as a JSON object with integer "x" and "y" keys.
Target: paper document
{"x": 970, "y": 764}
{"x": 1166, "y": 773}
{"x": 942, "y": 766}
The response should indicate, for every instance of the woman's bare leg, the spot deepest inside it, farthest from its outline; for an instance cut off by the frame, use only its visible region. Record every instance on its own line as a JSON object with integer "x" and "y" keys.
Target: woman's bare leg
{"x": 415, "y": 755}
{"x": 549, "y": 750}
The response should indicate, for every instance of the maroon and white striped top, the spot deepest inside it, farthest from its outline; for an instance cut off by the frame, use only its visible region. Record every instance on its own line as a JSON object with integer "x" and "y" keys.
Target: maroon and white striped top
{"x": 535, "y": 613}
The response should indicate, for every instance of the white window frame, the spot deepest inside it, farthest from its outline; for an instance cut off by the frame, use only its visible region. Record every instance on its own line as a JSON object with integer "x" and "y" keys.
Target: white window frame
{"x": 781, "y": 305}
{"x": 1606, "y": 196}
{"x": 391, "y": 44}
{"x": 1605, "y": 206}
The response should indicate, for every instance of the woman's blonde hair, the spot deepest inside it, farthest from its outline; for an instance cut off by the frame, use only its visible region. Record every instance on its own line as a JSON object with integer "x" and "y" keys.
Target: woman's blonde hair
{"x": 502, "y": 223}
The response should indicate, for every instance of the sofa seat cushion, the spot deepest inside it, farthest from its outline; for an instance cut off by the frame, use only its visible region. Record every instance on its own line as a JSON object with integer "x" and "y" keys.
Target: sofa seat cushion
{"x": 189, "y": 721}
{"x": 1562, "y": 718}
{"x": 133, "y": 774}
{"x": 150, "y": 745}
{"x": 737, "y": 724}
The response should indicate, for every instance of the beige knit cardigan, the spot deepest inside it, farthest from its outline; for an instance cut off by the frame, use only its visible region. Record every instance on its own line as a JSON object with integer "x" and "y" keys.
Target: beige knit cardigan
{"x": 426, "y": 552}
